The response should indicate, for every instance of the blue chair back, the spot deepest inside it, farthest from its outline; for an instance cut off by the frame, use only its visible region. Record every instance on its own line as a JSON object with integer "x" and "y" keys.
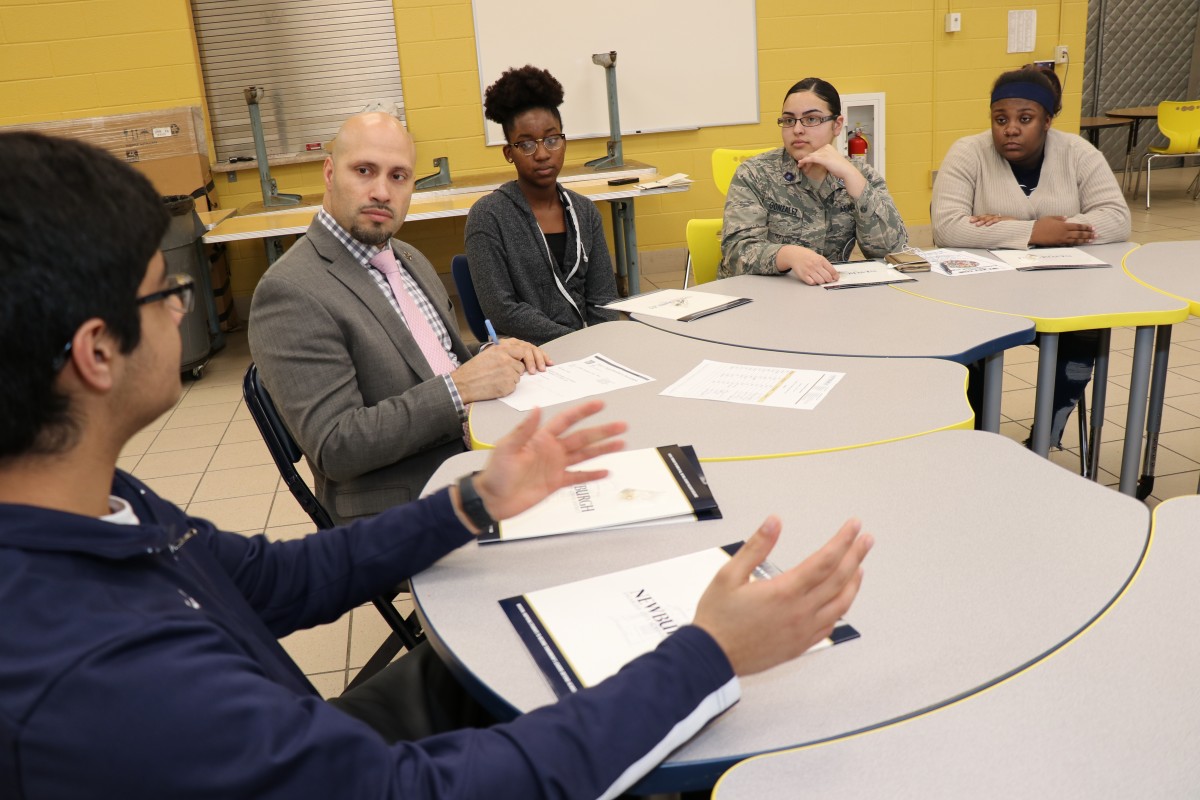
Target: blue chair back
{"x": 467, "y": 296}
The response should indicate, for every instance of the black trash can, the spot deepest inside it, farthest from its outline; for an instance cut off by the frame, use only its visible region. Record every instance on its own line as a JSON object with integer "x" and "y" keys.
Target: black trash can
{"x": 183, "y": 250}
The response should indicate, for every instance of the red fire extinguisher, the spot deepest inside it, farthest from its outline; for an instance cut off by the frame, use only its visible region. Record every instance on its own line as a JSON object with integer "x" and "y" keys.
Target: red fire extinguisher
{"x": 857, "y": 146}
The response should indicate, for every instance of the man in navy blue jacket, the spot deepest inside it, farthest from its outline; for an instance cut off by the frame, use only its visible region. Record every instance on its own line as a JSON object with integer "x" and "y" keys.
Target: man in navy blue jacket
{"x": 138, "y": 646}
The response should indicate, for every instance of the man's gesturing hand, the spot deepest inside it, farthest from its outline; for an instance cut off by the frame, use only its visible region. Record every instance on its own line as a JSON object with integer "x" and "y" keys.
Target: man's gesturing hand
{"x": 763, "y": 623}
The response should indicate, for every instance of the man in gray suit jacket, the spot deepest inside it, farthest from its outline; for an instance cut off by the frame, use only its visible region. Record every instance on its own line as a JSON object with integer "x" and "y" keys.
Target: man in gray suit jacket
{"x": 337, "y": 352}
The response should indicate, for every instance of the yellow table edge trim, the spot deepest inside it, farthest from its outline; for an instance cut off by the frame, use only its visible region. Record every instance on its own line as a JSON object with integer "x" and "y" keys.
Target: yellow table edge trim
{"x": 1045, "y": 658}
{"x": 1193, "y": 305}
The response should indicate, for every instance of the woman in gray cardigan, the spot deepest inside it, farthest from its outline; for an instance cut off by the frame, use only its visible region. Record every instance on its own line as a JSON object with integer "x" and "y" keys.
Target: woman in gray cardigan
{"x": 1024, "y": 184}
{"x": 537, "y": 253}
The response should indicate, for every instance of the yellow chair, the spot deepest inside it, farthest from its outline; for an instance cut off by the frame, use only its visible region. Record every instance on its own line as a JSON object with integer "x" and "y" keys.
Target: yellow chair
{"x": 704, "y": 250}
{"x": 725, "y": 163}
{"x": 1180, "y": 123}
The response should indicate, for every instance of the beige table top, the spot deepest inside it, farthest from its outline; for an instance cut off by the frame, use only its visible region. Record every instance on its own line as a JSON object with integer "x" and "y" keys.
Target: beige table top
{"x": 210, "y": 219}
{"x": 425, "y": 205}
{"x": 482, "y": 182}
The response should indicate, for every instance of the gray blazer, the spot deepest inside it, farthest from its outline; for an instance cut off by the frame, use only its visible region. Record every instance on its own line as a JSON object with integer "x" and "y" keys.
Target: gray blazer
{"x": 348, "y": 378}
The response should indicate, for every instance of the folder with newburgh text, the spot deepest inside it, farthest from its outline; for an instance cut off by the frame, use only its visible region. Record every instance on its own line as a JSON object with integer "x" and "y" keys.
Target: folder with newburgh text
{"x": 582, "y": 632}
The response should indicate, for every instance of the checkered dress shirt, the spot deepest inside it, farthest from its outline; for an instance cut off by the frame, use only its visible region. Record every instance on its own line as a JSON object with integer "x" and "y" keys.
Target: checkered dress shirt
{"x": 363, "y": 253}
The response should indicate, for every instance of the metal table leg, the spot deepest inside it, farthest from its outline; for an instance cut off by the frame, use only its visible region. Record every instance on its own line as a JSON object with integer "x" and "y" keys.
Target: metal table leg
{"x": 274, "y": 249}
{"x": 618, "y": 226}
{"x": 1084, "y": 442}
{"x": 993, "y": 390}
{"x": 1131, "y": 143}
{"x": 1135, "y": 419}
{"x": 630, "y": 237}
{"x": 1158, "y": 392}
{"x": 1099, "y": 394}
{"x": 1043, "y": 415}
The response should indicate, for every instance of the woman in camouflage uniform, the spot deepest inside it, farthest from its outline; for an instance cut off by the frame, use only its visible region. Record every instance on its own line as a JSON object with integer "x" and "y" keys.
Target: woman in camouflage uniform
{"x": 801, "y": 208}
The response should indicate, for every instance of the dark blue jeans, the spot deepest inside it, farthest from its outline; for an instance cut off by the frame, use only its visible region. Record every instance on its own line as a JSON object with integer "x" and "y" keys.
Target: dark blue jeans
{"x": 1076, "y": 359}
{"x": 1072, "y": 373}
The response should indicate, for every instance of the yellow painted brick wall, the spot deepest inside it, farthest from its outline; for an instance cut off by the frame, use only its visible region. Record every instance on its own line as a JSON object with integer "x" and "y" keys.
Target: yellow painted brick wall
{"x": 60, "y": 60}
{"x": 68, "y": 59}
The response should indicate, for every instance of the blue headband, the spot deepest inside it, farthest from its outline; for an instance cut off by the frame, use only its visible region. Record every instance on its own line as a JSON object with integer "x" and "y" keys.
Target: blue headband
{"x": 1026, "y": 90}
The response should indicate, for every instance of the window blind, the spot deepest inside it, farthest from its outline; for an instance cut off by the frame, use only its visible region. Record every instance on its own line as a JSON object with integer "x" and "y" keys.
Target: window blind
{"x": 318, "y": 62}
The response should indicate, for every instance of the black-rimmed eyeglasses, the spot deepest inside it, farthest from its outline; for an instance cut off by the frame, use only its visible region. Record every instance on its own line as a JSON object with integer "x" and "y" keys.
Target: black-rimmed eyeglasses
{"x": 529, "y": 146}
{"x": 180, "y": 295}
{"x": 808, "y": 122}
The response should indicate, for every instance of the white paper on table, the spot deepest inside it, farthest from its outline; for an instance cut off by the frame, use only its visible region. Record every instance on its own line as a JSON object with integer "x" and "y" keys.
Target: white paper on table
{"x": 572, "y": 380}
{"x": 866, "y": 273}
{"x": 676, "y": 303}
{"x": 779, "y": 387}
{"x": 956, "y": 263}
{"x": 1049, "y": 258}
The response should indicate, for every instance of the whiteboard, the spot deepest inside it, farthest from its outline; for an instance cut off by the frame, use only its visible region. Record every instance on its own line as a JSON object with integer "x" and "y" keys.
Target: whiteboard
{"x": 681, "y": 64}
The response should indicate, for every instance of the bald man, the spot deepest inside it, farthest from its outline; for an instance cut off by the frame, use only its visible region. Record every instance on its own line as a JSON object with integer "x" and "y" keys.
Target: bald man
{"x": 357, "y": 341}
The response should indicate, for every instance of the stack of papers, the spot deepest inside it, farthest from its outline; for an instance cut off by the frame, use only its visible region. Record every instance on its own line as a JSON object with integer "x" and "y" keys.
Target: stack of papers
{"x": 677, "y": 304}
{"x": 583, "y": 632}
{"x": 678, "y": 179}
{"x": 1049, "y": 258}
{"x": 652, "y": 484}
{"x": 856, "y": 274}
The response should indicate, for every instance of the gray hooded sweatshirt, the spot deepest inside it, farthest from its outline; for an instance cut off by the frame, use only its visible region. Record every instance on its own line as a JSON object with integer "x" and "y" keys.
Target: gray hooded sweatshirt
{"x": 514, "y": 274}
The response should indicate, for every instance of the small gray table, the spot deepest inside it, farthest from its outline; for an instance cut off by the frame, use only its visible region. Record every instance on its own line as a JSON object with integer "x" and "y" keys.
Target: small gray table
{"x": 1135, "y": 115}
{"x": 1072, "y": 300}
{"x": 1091, "y": 127}
{"x": 970, "y": 581}
{"x": 791, "y": 317}
{"x": 1114, "y": 714}
{"x": 878, "y": 399}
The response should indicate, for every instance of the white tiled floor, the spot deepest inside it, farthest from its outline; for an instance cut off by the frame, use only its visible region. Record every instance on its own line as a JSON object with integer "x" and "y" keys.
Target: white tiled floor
{"x": 205, "y": 454}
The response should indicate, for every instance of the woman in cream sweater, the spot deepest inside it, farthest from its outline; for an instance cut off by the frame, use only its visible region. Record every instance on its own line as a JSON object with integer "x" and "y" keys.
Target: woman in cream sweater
{"x": 1023, "y": 184}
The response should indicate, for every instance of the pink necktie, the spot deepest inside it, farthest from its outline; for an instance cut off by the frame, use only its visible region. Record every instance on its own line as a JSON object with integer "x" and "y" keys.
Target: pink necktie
{"x": 418, "y": 324}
